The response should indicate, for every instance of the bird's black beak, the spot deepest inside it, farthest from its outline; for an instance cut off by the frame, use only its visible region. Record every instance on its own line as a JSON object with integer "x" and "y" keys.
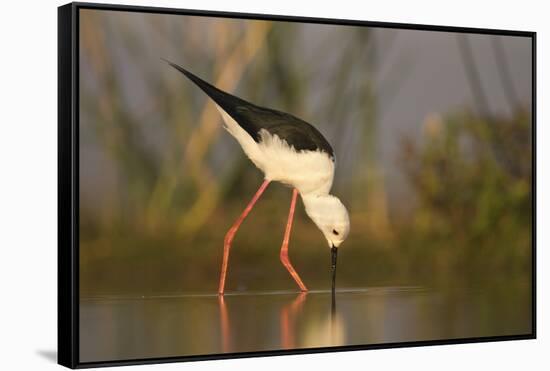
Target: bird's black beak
{"x": 334, "y": 256}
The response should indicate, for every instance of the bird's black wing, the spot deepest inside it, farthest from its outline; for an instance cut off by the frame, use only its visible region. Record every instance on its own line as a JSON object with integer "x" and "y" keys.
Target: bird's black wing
{"x": 252, "y": 118}
{"x": 296, "y": 132}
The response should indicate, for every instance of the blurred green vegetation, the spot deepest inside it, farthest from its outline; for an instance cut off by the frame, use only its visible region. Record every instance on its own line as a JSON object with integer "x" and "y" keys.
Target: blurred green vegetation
{"x": 163, "y": 182}
{"x": 472, "y": 178}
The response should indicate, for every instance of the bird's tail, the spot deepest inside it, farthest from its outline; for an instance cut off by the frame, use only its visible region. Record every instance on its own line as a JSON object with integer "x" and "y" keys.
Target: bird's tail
{"x": 223, "y": 99}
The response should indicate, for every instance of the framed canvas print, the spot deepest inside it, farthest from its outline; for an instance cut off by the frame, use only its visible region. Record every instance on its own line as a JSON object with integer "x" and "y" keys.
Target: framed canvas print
{"x": 236, "y": 185}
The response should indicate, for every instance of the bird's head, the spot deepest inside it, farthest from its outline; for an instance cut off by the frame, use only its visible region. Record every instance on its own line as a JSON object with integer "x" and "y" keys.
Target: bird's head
{"x": 330, "y": 216}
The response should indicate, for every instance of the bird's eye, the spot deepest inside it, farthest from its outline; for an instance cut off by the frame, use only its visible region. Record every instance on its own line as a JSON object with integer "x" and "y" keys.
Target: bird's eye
{"x": 335, "y": 232}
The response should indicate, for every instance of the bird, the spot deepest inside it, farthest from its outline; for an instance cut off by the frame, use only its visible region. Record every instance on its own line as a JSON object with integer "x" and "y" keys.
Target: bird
{"x": 287, "y": 150}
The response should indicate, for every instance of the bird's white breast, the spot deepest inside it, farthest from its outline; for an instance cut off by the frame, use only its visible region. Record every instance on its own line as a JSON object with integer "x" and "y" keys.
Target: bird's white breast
{"x": 311, "y": 172}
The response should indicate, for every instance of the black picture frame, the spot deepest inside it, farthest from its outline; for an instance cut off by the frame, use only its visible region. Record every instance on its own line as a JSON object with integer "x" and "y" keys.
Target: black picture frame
{"x": 68, "y": 182}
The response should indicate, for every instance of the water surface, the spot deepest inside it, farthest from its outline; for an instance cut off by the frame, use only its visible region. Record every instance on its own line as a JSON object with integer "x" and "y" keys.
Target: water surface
{"x": 117, "y": 328}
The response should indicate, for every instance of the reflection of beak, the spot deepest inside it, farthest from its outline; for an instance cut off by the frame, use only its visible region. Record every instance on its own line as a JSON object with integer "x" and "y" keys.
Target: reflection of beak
{"x": 334, "y": 253}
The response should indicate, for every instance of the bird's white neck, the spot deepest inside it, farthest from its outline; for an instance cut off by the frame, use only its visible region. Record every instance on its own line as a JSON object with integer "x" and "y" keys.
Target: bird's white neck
{"x": 312, "y": 200}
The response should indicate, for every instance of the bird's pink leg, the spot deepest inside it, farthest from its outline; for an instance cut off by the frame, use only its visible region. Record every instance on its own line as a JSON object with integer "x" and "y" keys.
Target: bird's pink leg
{"x": 284, "y": 247}
{"x": 231, "y": 234}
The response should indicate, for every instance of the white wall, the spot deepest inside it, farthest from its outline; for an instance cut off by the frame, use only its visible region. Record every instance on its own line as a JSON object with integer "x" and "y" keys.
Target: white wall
{"x": 28, "y": 183}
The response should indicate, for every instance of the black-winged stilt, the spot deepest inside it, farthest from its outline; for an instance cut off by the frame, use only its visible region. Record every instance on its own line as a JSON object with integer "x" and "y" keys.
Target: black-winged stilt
{"x": 288, "y": 150}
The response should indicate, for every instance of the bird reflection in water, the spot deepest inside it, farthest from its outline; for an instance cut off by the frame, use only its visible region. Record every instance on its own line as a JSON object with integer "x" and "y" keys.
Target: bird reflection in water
{"x": 288, "y": 316}
{"x": 294, "y": 330}
{"x": 224, "y": 325}
{"x": 327, "y": 329}
{"x": 336, "y": 324}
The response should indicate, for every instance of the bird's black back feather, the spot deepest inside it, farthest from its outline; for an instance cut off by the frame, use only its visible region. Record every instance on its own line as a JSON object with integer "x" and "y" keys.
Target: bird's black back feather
{"x": 252, "y": 118}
